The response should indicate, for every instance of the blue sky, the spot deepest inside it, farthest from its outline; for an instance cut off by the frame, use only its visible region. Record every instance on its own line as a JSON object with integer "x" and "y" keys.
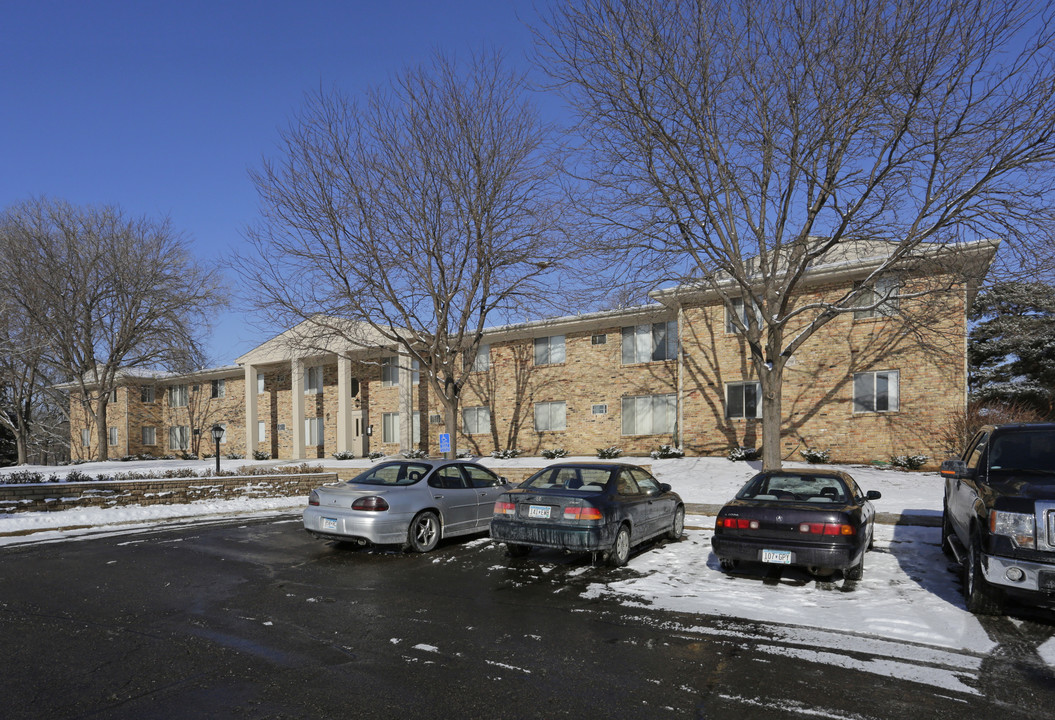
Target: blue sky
{"x": 163, "y": 108}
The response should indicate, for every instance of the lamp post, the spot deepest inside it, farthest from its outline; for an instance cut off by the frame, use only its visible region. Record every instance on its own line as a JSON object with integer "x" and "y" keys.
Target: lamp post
{"x": 217, "y": 433}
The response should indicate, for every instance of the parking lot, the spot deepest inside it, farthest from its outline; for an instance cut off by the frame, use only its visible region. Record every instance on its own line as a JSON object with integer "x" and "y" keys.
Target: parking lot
{"x": 256, "y": 619}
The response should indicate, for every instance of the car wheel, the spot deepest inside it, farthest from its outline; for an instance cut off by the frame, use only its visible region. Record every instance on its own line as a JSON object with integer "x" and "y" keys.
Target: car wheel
{"x": 980, "y": 597}
{"x": 516, "y": 550}
{"x": 857, "y": 571}
{"x": 678, "y": 526}
{"x": 620, "y": 551}
{"x": 728, "y": 564}
{"x": 424, "y": 532}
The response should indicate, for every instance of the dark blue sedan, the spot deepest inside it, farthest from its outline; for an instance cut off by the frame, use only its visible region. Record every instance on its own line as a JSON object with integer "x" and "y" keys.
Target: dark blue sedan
{"x": 820, "y": 520}
{"x": 587, "y": 507}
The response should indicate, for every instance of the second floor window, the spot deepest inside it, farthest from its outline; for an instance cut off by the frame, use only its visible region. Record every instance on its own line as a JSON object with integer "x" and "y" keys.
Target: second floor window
{"x": 219, "y": 388}
{"x": 313, "y": 380}
{"x": 549, "y": 350}
{"x": 481, "y": 362}
{"x": 146, "y": 393}
{"x": 881, "y": 299}
{"x": 646, "y": 343}
{"x": 178, "y": 396}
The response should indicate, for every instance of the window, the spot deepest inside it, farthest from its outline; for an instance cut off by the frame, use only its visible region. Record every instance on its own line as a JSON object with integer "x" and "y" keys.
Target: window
{"x": 645, "y": 343}
{"x": 219, "y": 388}
{"x": 876, "y": 391}
{"x": 113, "y": 395}
{"x": 261, "y": 431}
{"x": 178, "y": 396}
{"x": 883, "y": 295}
{"x": 390, "y": 428}
{"x": 743, "y": 400}
{"x": 259, "y": 383}
{"x": 549, "y": 350}
{"x": 601, "y": 409}
{"x": 598, "y": 339}
{"x": 482, "y": 361}
{"x": 313, "y": 431}
{"x": 649, "y": 414}
{"x": 738, "y": 310}
{"x": 390, "y": 371}
{"x": 86, "y": 437}
{"x": 476, "y": 420}
{"x": 113, "y": 435}
{"x": 313, "y": 380}
{"x": 551, "y": 416}
{"x": 146, "y": 393}
{"x": 178, "y": 436}
{"x": 150, "y": 436}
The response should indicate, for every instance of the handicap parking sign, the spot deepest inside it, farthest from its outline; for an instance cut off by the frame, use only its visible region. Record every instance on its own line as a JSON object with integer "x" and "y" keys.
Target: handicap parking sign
{"x": 445, "y": 442}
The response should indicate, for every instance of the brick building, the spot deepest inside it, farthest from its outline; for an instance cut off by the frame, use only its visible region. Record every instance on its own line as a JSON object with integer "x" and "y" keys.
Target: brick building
{"x": 867, "y": 385}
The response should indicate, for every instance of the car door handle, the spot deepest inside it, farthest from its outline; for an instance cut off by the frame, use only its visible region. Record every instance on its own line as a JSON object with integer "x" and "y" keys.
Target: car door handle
{"x": 438, "y": 497}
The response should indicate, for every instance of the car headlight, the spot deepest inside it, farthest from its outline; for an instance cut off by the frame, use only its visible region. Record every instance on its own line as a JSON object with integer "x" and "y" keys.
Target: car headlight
{"x": 1020, "y": 527}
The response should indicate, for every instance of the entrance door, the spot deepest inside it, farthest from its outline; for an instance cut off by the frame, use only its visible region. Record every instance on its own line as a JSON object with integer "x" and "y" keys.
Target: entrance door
{"x": 359, "y": 446}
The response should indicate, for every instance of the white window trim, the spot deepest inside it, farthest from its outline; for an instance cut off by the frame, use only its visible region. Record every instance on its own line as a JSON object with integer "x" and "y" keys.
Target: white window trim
{"x": 630, "y": 405}
{"x": 260, "y": 383}
{"x": 261, "y": 431}
{"x": 482, "y": 361}
{"x": 551, "y": 416}
{"x": 893, "y": 398}
{"x": 313, "y": 380}
{"x": 642, "y": 343}
{"x": 555, "y": 350}
{"x": 481, "y": 420}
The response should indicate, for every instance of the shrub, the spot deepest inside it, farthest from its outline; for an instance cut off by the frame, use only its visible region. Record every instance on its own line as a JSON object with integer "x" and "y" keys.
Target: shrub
{"x": 909, "y": 462}
{"x": 415, "y": 454}
{"x": 666, "y": 451}
{"x": 609, "y": 453}
{"x": 743, "y": 453}
{"x": 76, "y": 476}
{"x": 235, "y": 456}
{"x": 23, "y": 477}
{"x": 344, "y": 455}
{"x": 554, "y": 453}
{"x": 261, "y": 455}
{"x": 816, "y": 456}
{"x": 376, "y": 454}
{"x": 507, "y": 454}
{"x": 465, "y": 454}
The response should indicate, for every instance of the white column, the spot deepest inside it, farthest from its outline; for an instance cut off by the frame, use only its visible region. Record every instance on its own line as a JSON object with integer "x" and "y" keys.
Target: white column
{"x": 406, "y": 402}
{"x": 297, "y": 402}
{"x": 251, "y": 419}
{"x": 344, "y": 403}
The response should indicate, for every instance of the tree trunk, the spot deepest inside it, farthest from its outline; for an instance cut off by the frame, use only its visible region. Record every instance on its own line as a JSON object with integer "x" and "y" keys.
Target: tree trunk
{"x": 771, "y": 379}
{"x": 102, "y": 432}
{"x": 450, "y": 406}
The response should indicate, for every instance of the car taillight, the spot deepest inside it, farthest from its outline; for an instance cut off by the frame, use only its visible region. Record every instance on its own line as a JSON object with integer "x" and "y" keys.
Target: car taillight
{"x": 313, "y": 498}
{"x": 737, "y": 523}
{"x": 826, "y": 529}
{"x": 505, "y": 508}
{"x": 373, "y": 503}
{"x": 582, "y": 513}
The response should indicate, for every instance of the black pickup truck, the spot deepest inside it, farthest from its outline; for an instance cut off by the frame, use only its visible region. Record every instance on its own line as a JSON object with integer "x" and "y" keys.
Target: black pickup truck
{"x": 998, "y": 518}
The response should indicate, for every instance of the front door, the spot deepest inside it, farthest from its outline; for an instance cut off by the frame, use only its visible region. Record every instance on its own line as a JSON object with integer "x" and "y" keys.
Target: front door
{"x": 358, "y": 445}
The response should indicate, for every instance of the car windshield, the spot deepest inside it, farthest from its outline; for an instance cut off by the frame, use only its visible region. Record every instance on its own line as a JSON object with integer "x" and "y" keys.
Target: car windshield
{"x": 583, "y": 479}
{"x": 795, "y": 488}
{"x": 1026, "y": 451}
{"x": 393, "y": 473}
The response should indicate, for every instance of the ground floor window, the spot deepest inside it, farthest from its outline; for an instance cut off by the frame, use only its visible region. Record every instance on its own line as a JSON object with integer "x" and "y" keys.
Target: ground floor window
{"x": 150, "y": 436}
{"x": 476, "y": 420}
{"x": 876, "y": 391}
{"x": 113, "y": 435}
{"x": 86, "y": 437}
{"x": 313, "y": 431}
{"x": 179, "y": 437}
{"x": 551, "y": 416}
{"x": 390, "y": 428}
{"x": 261, "y": 431}
{"x": 743, "y": 400}
{"x": 649, "y": 414}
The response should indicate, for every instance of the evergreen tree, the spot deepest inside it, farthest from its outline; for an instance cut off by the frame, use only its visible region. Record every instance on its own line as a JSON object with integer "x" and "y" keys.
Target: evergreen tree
{"x": 1011, "y": 353}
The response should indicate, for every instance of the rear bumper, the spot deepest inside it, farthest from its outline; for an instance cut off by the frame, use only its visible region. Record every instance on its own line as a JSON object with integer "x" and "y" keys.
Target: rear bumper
{"x": 593, "y": 538}
{"x": 838, "y": 557}
{"x": 376, "y": 528}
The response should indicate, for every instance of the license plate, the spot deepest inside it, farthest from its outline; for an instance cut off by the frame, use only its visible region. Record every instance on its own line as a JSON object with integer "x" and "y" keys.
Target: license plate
{"x": 780, "y": 557}
{"x": 329, "y": 523}
{"x": 538, "y": 511}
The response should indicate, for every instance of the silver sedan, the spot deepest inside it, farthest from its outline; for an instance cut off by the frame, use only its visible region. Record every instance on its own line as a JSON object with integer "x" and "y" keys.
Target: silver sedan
{"x": 408, "y": 502}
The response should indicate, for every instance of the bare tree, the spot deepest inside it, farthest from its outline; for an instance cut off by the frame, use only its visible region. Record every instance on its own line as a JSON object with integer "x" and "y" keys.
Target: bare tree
{"x": 424, "y": 213}
{"x": 737, "y": 144}
{"x": 105, "y": 291}
{"x": 23, "y": 375}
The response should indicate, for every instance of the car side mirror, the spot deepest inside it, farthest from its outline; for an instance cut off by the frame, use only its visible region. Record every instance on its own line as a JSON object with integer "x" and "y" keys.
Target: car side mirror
{"x": 955, "y": 469}
{"x": 873, "y": 495}
{"x": 664, "y": 487}
{"x": 502, "y": 480}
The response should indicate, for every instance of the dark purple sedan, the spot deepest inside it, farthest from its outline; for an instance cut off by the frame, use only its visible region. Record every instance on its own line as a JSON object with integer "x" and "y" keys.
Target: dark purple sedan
{"x": 820, "y": 520}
